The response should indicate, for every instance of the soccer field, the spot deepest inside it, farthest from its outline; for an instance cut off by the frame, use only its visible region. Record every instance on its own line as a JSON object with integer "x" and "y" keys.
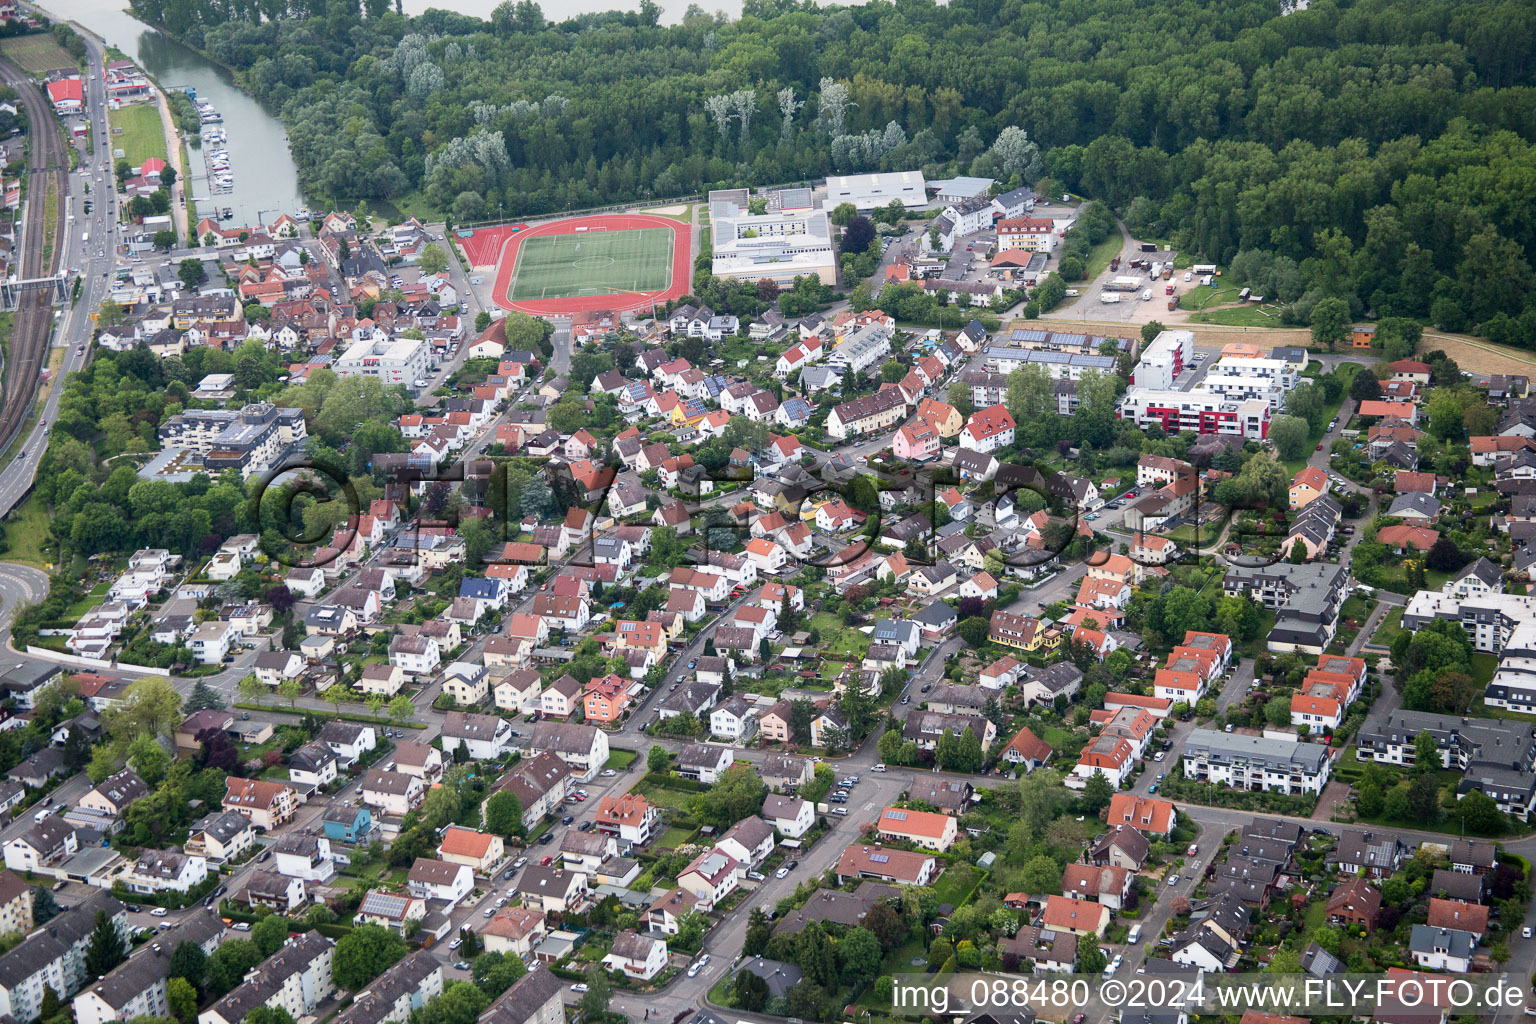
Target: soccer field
{"x": 592, "y": 263}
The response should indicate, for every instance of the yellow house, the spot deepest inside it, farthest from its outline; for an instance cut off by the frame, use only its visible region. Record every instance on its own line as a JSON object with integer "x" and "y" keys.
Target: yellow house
{"x": 1023, "y": 632}
{"x": 945, "y": 418}
{"x": 1307, "y": 485}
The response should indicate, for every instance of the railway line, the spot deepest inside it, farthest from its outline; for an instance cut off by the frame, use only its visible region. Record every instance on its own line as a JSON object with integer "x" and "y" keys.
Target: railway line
{"x": 32, "y": 325}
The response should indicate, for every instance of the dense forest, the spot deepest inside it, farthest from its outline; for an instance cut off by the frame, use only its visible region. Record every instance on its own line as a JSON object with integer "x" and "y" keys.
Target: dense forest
{"x": 1377, "y": 151}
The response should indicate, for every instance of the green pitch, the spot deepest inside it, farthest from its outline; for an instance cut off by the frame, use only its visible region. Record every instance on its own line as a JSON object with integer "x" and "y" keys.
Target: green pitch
{"x": 592, "y": 263}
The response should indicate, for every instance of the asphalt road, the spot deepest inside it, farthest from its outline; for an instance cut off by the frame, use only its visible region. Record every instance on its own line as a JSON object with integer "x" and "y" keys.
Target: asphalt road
{"x": 73, "y": 327}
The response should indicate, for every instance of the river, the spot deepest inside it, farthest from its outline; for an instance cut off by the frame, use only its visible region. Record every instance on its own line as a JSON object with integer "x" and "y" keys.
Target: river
{"x": 266, "y": 180}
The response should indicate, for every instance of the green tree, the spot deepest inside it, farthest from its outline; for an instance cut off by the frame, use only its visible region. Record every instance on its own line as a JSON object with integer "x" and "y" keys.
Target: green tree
{"x": 1277, "y": 712}
{"x": 504, "y": 814}
{"x": 106, "y": 949}
{"x": 270, "y": 933}
{"x": 1041, "y": 874}
{"x": 759, "y": 929}
{"x": 1365, "y": 387}
{"x": 658, "y": 759}
{"x": 974, "y": 631}
{"x": 401, "y": 709}
{"x": 1090, "y": 958}
{"x": 148, "y": 759}
{"x": 190, "y": 270}
{"x": 1097, "y": 792}
{"x": 228, "y": 965}
{"x": 1426, "y": 753}
{"x": 858, "y": 957}
{"x": 203, "y": 697}
{"x": 892, "y": 371}
{"x": 181, "y": 997}
{"x": 110, "y": 314}
{"x": 736, "y": 794}
{"x": 461, "y": 1002}
{"x": 1479, "y": 813}
{"x": 1330, "y": 322}
{"x": 594, "y": 1001}
{"x": 1290, "y": 435}
{"x": 494, "y": 973}
{"x": 190, "y": 962}
{"x": 1424, "y": 799}
{"x": 433, "y": 260}
{"x": 749, "y": 992}
{"x": 150, "y": 707}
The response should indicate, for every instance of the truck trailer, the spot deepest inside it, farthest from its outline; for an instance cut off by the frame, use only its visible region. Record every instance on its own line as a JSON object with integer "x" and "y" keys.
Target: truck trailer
{"x": 1123, "y": 284}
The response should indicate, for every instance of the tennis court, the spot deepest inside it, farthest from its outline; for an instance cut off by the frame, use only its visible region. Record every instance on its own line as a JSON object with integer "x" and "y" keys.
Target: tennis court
{"x": 592, "y": 262}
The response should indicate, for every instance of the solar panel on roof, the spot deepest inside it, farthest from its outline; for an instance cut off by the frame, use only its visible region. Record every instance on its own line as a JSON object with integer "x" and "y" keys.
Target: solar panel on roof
{"x": 879, "y": 858}
{"x": 896, "y": 815}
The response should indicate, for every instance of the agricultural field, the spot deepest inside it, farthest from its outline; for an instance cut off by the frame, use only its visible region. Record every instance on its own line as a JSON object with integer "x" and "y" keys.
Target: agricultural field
{"x": 36, "y": 54}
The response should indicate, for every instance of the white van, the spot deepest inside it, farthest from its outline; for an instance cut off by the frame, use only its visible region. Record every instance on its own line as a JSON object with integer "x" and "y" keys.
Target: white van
{"x": 85, "y": 236}
{"x": 40, "y": 815}
{"x": 1134, "y": 936}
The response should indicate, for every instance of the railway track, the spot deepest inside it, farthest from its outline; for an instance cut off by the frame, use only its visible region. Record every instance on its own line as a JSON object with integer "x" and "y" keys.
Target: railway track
{"x": 32, "y": 325}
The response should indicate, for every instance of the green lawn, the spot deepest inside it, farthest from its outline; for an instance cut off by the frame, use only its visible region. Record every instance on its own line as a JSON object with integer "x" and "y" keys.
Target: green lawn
{"x": 26, "y": 531}
{"x": 1389, "y": 628}
{"x": 592, "y": 263}
{"x": 839, "y": 638}
{"x": 619, "y": 760}
{"x": 672, "y": 838}
{"x": 672, "y": 799}
{"x": 1199, "y": 297}
{"x": 138, "y": 133}
{"x": 1100, "y": 255}
{"x": 1240, "y": 316}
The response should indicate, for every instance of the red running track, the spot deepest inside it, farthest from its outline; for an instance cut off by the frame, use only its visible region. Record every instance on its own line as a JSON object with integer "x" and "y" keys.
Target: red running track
{"x": 682, "y": 265}
{"x": 482, "y": 247}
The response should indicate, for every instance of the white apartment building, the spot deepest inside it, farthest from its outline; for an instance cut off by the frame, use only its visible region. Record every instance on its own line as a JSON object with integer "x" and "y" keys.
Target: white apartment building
{"x": 136, "y": 987}
{"x": 53, "y": 957}
{"x": 1199, "y": 411}
{"x": 1163, "y": 360}
{"x": 862, "y": 349}
{"x": 1255, "y": 762}
{"x": 393, "y": 361}
{"x": 296, "y": 978}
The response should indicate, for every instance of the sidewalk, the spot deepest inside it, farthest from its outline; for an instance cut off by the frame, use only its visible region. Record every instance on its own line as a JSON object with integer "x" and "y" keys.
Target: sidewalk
{"x": 173, "y": 157}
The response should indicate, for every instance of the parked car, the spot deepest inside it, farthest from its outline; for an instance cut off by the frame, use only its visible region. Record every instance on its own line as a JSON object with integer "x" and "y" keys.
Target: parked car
{"x": 585, "y": 826}
{"x": 841, "y": 811}
{"x": 580, "y": 986}
{"x": 781, "y": 873}
{"x": 1173, "y": 881}
{"x": 567, "y": 819}
{"x": 456, "y": 943}
{"x": 609, "y": 773}
{"x": 158, "y": 912}
{"x": 241, "y": 926}
{"x": 1194, "y": 848}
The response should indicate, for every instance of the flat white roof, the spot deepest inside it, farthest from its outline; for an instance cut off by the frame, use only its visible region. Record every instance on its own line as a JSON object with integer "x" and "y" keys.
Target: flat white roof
{"x": 867, "y": 191}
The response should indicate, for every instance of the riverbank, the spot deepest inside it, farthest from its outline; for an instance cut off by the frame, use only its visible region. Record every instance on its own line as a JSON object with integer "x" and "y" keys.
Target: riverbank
{"x": 266, "y": 177}
{"x": 169, "y": 149}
